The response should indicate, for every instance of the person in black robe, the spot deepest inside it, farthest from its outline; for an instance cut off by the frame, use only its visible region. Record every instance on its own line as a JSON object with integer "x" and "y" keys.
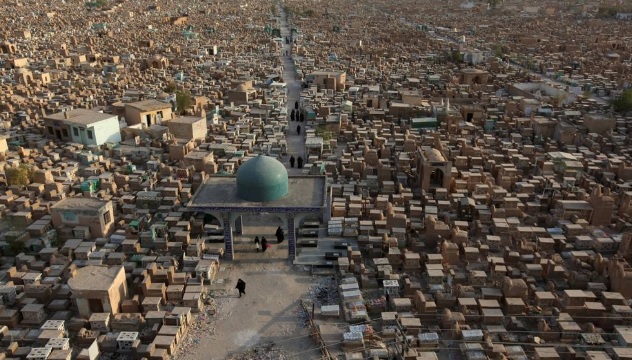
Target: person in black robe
{"x": 264, "y": 244}
{"x": 302, "y": 117}
{"x": 257, "y": 243}
{"x": 292, "y": 160}
{"x": 279, "y": 235}
{"x": 300, "y": 162}
{"x": 298, "y": 130}
{"x": 293, "y": 115}
{"x": 296, "y": 105}
{"x": 241, "y": 286}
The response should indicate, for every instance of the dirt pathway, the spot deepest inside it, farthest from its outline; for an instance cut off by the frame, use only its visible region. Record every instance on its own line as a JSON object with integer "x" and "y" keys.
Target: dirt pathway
{"x": 295, "y": 142}
{"x": 268, "y": 313}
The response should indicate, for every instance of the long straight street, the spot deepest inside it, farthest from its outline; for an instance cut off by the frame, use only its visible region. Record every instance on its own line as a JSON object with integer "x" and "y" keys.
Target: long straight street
{"x": 295, "y": 142}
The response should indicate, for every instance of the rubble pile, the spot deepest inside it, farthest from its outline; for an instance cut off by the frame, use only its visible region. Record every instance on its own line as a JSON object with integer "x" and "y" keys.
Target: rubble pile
{"x": 268, "y": 351}
{"x": 324, "y": 291}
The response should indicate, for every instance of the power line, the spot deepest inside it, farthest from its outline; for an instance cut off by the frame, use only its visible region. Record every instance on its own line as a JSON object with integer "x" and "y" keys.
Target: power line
{"x": 533, "y": 332}
{"x": 451, "y": 341}
{"x": 462, "y": 341}
{"x": 522, "y": 316}
{"x": 338, "y": 343}
{"x": 505, "y": 331}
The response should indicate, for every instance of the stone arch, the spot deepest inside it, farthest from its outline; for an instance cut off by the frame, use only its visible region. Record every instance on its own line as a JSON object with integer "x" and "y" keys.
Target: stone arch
{"x": 436, "y": 177}
{"x": 46, "y": 78}
{"x": 300, "y": 218}
{"x": 235, "y": 221}
{"x": 24, "y": 77}
{"x": 7, "y": 48}
{"x": 283, "y": 219}
{"x": 156, "y": 62}
{"x": 208, "y": 217}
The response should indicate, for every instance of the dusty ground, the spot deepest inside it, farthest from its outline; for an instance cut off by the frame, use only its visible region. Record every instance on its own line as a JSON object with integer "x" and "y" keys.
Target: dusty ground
{"x": 268, "y": 313}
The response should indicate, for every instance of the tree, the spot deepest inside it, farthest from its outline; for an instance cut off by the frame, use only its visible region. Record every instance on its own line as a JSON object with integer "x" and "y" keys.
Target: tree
{"x": 605, "y": 11}
{"x": 623, "y": 103}
{"x": 324, "y": 133}
{"x": 498, "y": 51}
{"x": 456, "y": 56}
{"x": 16, "y": 247}
{"x": 79, "y": 85}
{"x": 493, "y": 3}
{"x": 19, "y": 176}
{"x": 171, "y": 87}
{"x": 559, "y": 99}
{"x": 96, "y": 4}
{"x": 184, "y": 100}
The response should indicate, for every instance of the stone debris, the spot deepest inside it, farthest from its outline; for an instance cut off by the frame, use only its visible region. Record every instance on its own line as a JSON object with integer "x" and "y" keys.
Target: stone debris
{"x": 303, "y": 317}
{"x": 216, "y": 309}
{"x": 324, "y": 291}
{"x": 115, "y": 356}
{"x": 269, "y": 351}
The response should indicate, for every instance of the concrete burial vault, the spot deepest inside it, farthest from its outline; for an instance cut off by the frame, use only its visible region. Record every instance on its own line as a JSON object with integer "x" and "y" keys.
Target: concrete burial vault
{"x": 261, "y": 186}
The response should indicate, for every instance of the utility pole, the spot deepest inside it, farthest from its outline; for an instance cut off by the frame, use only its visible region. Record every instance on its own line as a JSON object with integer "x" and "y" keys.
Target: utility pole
{"x": 402, "y": 347}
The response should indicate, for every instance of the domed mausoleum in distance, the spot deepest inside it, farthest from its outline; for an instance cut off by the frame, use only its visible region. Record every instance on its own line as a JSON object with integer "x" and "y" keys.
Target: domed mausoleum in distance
{"x": 262, "y": 179}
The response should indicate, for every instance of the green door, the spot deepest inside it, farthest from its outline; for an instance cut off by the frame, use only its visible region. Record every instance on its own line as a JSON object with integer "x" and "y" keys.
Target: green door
{"x": 82, "y": 134}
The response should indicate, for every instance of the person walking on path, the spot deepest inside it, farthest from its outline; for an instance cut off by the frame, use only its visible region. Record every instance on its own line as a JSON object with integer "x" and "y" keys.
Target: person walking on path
{"x": 257, "y": 244}
{"x": 300, "y": 162}
{"x": 298, "y": 129}
{"x": 279, "y": 235}
{"x": 264, "y": 244}
{"x": 296, "y": 105}
{"x": 292, "y": 160}
{"x": 241, "y": 286}
{"x": 301, "y": 117}
{"x": 293, "y": 115}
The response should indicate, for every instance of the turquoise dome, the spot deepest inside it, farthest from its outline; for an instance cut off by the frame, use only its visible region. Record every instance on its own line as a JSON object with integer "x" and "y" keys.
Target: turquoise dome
{"x": 262, "y": 179}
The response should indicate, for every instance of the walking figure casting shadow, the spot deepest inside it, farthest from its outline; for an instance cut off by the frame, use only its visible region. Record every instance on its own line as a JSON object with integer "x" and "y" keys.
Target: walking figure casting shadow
{"x": 241, "y": 286}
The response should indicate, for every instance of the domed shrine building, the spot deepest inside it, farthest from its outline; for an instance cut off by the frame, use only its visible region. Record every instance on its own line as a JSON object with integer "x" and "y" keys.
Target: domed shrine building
{"x": 261, "y": 185}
